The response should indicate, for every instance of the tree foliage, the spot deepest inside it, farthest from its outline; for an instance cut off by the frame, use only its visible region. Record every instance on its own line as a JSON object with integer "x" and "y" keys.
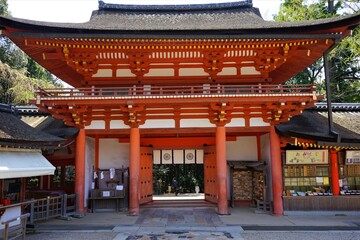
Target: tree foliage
{"x": 17, "y": 88}
{"x": 344, "y": 59}
{"x": 20, "y": 76}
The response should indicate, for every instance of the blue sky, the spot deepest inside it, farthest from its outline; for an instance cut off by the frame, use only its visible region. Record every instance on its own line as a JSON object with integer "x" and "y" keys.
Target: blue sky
{"x": 80, "y": 10}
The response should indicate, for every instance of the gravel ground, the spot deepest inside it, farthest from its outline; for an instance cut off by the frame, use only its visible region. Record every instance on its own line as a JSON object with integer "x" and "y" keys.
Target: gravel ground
{"x": 198, "y": 236}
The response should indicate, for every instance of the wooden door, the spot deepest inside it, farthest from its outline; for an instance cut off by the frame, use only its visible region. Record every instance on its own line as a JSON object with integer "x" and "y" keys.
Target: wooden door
{"x": 210, "y": 188}
{"x": 146, "y": 171}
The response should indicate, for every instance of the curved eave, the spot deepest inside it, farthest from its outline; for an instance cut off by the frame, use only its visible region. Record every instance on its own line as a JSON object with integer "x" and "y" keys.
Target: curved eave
{"x": 271, "y": 29}
{"x": 318, "y": 137}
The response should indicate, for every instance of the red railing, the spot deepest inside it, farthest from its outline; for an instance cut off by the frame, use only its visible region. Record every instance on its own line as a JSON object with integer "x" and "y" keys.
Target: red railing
{"x": 176, "y": 90}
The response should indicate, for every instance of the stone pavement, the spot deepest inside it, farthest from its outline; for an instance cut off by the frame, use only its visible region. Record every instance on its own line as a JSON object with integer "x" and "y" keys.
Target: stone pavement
{"x": 191, "y": 223}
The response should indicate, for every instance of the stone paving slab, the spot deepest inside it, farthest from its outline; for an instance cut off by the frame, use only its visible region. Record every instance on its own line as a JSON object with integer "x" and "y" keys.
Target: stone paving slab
{"x": 181, "y": 235}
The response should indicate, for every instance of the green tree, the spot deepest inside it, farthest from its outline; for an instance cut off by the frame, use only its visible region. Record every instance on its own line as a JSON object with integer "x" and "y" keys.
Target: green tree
{"x": 344, "y": 59}
{"x": 4, "y": 8}
{"x": 16, "y": 88}
{"x": 20, "y": 76}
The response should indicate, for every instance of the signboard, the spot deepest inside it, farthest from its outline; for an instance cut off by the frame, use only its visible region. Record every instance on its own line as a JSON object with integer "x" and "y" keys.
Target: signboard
{"x": 307, "y": 157}
{"x": 352, "y": 157}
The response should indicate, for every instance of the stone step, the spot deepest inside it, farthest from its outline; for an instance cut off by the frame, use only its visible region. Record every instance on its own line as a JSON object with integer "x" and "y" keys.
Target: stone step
{"x": 177, "y": 204}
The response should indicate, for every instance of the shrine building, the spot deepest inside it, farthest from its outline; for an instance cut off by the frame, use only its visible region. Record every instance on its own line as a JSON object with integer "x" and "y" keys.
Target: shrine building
{"x": 176, "y": 84}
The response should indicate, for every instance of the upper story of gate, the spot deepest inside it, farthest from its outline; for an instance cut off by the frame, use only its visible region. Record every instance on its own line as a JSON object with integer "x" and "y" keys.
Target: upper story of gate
{"x": 176, "y": 45}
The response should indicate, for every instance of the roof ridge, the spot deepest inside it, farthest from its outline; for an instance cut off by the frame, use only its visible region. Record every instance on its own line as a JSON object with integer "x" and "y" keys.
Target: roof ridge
{"x": 337, "y": 106}
{"x": 174, "y": 7}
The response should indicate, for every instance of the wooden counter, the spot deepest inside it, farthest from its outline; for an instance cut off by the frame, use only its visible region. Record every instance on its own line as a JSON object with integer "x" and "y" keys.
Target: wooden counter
{"x": 322, "y": 203}
{"x": 113, "y": 199}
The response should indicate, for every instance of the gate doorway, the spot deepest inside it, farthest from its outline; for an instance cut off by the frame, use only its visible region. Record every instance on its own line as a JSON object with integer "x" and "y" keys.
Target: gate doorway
{"x": 186, "y": 167}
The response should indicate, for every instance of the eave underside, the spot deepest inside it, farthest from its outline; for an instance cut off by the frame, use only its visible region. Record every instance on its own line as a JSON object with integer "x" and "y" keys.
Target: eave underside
{"x": 126, "y": 62}
{"x": 217, "y": 106}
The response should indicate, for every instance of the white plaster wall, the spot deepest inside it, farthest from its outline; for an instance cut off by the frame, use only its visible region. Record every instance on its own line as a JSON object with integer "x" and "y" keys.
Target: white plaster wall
{"x": 258, "y": 122}
{"x": 118, "y": 124}
{"x": 265, "y": 155}
{"x": 160, "y": 72}
{"x": 160, "y": 123}
{"x": 89, "y": 163}
{"x": 97, "y": 124}
{"x": 113, "y": 154}
{"x": 243, "y": 149}
{"x": 228, "y": 71}
{"x": 195, "y": 123}
{"x": 236, "y": 122}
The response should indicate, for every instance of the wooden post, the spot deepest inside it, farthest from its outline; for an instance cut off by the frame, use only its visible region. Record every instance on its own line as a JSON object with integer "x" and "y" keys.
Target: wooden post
{"x": 222, "y": 204}
{"x": 276, "y": 172}
{"x": 80, "y": 171}
{"x": 134, "y": 208}
{"x": 334, "y": 172}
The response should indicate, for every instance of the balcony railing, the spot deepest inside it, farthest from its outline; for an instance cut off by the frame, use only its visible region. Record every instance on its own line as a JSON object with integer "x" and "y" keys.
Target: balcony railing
{"x": 206, "y": 90}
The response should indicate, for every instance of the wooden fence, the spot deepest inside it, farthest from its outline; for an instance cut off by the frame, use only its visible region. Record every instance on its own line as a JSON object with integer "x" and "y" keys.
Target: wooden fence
{"x": 51, "y": 207}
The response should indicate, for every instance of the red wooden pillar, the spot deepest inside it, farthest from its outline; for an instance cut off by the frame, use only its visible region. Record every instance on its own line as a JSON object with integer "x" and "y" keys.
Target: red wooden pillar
{"x": 80, "y": 171}
{"x": 23, "y": 190}
{"x": 334, "y": 172}
{"x": 134, "y": 207}
{"x": 276, "y": 172}
{"x": 222, "y": 204}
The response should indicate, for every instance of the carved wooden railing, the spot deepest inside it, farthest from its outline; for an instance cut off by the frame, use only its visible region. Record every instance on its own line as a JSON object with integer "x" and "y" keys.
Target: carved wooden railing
{"x": 177, "y": 91}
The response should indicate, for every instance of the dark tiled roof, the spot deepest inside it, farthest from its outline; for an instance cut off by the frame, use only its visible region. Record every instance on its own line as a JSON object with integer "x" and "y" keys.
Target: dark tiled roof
{"x": 179, "y": 7}
{"x": 338, "y": 106}
{"x": 313, "y": 125}
{"x": 16, "y": 133}
{"x": 239, "y": 17}
{"x": 45, "y": 123}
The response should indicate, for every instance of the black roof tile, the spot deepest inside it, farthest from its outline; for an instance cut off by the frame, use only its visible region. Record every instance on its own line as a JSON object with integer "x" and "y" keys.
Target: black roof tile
{"x": 313, "y": 125}
{"x": 14, "y": 132}
{"x": 210, "y": 19}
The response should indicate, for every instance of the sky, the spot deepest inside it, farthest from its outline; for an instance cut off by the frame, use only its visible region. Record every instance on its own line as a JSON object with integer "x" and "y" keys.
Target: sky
{"x": 80, "y": 10}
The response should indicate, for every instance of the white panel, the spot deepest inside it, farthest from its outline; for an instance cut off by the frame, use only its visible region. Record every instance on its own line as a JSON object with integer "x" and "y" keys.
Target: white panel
{"x": 199, "y": 156}
{"x": 124, "y": 73}
{"x": 10, "y": 213}
{"x": 236, "y": 122}
{"x": 243, "y": 149}
{"x": 178, "y": 156}
{"x": 118, "y": 124}
{"x": 103, "y": 73}
{"x": 156, "y": 156}
{"x": 96, "y": 124}
{"x": 160, "y": 72}
{"x": 190, "y": 156}
{"x": 228, "y": 71}
{"x": 166, "y": 157}
{"x": 113, "y": 154}
{"x": 24, "y": 164}
{"x": 159, "y": 123}
{"x": 249, "y": 71}
{"x": 258, "y": 122}
{"x": 265, "y": 156}
{"x": 192, "y": 72}
{"x": 195, "y": 123}
{"x": 89, "y": 163}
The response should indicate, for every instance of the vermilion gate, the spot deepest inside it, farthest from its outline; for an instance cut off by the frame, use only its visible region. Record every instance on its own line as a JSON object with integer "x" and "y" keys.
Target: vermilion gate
{"x": 210, "y": 188}
{"x": 145, "y": 178}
